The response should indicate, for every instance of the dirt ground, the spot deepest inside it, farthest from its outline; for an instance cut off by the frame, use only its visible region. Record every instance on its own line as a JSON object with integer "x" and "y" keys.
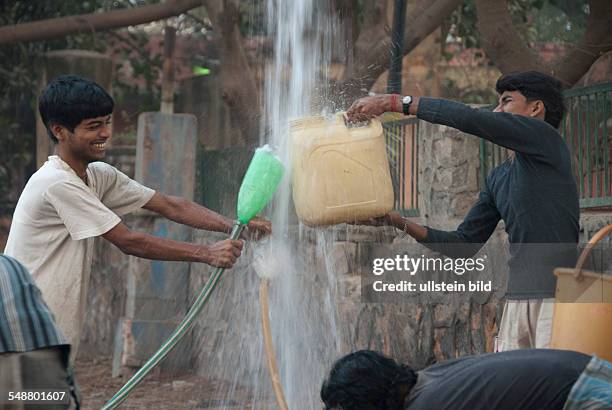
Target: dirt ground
{"x": 156, "y": 391}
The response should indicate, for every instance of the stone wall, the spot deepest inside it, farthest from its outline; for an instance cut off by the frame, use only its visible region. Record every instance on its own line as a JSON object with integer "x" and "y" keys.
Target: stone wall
{"x": 419, "y": 333}
{"x": 591, "y": 222}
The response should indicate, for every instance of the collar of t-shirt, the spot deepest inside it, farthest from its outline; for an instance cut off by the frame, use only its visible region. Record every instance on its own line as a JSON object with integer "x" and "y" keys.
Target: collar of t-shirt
{"x": 57, "y": 161}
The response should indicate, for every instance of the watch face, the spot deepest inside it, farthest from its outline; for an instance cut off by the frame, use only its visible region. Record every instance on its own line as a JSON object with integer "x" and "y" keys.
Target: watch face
{"x": 407, "y": 99}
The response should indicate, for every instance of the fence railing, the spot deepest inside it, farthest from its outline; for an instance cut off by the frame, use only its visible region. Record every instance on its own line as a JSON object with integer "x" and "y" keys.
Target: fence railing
{"x": 587, "y": 130}
{"x": 402, "y": 148}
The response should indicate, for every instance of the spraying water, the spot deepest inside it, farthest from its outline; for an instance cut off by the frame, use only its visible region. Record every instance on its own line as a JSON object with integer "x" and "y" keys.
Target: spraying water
{"x": 302, "y": 304}
{"x": 302, "y": 294}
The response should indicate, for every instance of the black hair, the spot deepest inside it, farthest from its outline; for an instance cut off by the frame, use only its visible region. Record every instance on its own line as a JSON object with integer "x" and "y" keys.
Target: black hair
{"x": 70, "y": 99}
{"x": 367, "y": 380}
{"x": 536, "y": 86}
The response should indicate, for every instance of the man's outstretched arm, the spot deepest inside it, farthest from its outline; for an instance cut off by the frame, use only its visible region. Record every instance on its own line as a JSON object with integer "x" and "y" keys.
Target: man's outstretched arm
{"x": 465, "y": 241}
{"x": 418, "y": 232}
{"x": 471, "y": 234}
{"x": 516, "y": 132}
{"x": 189, "y": 213}
{"x": 221, "y": 254}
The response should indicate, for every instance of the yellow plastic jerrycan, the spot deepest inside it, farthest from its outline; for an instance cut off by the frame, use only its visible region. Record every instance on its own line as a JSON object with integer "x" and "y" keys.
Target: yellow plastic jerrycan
{"x": 340, "y": 171}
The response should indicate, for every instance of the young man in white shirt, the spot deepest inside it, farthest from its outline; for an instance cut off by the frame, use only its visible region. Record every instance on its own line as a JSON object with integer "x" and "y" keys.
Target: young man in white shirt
{"x": 73, "y": 198}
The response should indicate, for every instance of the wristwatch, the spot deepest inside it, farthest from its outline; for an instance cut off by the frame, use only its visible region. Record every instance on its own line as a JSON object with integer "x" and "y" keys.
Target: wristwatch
{"x": 406, "y": 104}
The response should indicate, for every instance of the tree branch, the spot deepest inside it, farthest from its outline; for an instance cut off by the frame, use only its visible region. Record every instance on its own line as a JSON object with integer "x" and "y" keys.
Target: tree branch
{"x": 500, "y": 40}
{"x": 347, "y": 14}
{"x": 63, "y": 26}
{"x": 374, "y": 31}
{"x": 504, "y": 46}
{"x": 238, "y": 85}
{"x": 596, "y": 41}
{"x": 421, "y": 20}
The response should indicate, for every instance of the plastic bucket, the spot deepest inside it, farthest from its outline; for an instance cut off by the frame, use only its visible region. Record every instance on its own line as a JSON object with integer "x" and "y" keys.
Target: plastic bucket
{"x": 582, "y": 319}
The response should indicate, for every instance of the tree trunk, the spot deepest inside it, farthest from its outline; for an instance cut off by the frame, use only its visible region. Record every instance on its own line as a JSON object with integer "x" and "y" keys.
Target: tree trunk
{"x": 347, "y": 14}
{"x": 63, "y": 26}
{"x": 500, "y": 40}
{"x": 238, "y": 85}
{"x": 596, "y": 41}
{"x": 505, "y": 47}
{"x": 373, "y": 56}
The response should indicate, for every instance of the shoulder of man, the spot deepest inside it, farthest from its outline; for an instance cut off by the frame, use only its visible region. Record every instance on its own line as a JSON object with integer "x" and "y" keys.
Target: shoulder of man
{"x": 102, "y": 167}
{"x": 116, "y": 189}
{"x": 106, "y": 176}
{"x": 44, "y": 182}
{"x": 51, "y": 172}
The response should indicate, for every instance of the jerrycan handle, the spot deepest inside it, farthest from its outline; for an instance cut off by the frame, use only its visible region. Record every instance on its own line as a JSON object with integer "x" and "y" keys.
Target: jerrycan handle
{"x": 351, "y": 124}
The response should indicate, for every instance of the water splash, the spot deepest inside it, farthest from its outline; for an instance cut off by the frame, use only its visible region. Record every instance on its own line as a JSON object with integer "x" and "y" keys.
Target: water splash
{"x": 303, "y": 308}
{"x": 298, "y": 261}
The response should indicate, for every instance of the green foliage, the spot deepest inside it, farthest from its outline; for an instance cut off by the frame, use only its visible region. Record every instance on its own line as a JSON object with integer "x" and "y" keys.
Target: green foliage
{"x": 135, "y": 80}
{"x": 561, "y": 21}
{"x": 253, "y": 17}
{"x": 20, "y": 73}
{"x": 556, "y": 21}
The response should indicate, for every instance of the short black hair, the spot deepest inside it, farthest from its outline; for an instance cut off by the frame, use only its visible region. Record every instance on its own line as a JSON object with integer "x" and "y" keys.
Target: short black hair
{"x": 367, "y": 380}
{"x": 535, "y": 85}
{"x": 70, "y": 99}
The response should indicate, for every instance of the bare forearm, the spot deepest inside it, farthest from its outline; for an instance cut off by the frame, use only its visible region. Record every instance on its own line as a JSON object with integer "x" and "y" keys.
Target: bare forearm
{"x": 417, "y": 231}
{"x": 197, "y": 216}
{"x": 152, "y": 247}
{"x": 220, "y": 254}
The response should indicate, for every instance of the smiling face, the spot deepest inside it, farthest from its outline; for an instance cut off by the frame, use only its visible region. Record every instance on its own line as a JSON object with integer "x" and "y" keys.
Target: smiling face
{"x": 515, "y": 103}
{"x": 89, "y": 140}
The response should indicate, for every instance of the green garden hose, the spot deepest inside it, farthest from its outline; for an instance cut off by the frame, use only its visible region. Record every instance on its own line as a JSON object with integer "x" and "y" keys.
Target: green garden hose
{"x": 176, "y": 336}
{"x": 258, "y": 186}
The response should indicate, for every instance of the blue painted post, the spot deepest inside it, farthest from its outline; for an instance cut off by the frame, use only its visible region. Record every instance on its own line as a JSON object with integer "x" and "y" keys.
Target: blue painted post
{"x": 158, "y": 291}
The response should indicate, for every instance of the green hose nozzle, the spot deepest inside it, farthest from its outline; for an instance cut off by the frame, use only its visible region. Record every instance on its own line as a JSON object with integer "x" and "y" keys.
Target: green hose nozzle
{"x": 259, "y": 184}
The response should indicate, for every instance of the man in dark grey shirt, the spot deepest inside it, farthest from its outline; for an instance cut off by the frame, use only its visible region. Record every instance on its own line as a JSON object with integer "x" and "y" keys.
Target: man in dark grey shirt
{"x": 533, "y": 192}
{"x": 528, "y": 379}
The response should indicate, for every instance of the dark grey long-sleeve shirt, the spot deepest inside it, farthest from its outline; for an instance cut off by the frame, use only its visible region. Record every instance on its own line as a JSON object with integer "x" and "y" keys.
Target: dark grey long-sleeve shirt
{"x": 523, "y": 379}
{"x": 534, "y": 194}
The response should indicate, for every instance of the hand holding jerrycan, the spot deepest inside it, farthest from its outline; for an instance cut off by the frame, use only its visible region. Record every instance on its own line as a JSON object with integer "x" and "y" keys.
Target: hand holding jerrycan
{"x": 340, "y": 171}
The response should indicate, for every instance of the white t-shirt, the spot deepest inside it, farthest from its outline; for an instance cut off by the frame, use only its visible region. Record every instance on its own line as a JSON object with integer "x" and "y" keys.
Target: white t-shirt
{"x": 54, "y": 225}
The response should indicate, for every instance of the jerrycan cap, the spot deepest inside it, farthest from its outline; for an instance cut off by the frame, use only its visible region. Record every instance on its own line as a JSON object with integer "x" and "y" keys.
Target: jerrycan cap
{"x": 341, "y": 116}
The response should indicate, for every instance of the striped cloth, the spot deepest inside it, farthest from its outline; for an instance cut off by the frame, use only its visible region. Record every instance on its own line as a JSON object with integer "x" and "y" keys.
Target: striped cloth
{"x": 25, "y": 320}
{"x": 593, "y": 389}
